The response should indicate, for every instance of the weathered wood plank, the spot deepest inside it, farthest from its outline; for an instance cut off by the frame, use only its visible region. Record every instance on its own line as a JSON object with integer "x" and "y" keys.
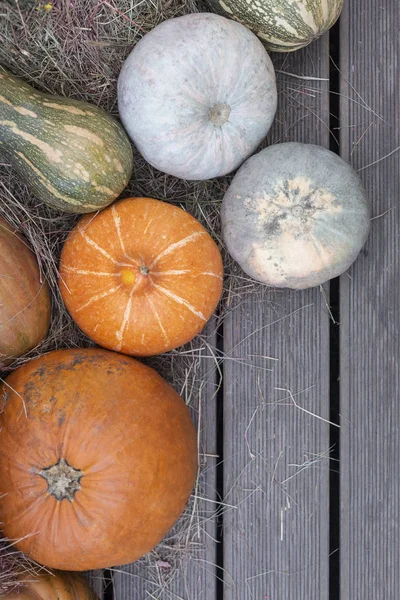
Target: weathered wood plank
{"x": 192, "y": 572}
{"x": 276, "y": 456}
{"x": 96, "y": 582}
{"x": 370, "y": 309}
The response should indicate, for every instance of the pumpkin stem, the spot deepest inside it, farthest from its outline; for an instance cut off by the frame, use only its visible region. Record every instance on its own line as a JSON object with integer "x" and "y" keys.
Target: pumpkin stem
{"x": 297, "y": 210}
{"x": 144, "y": 270}
{"x": 63, "y": 481}
{"x": 219, "y": 114}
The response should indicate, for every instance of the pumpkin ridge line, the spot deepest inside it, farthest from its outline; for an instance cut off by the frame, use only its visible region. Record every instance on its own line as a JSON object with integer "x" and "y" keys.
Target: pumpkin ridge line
{"x": 158, "y": 319}
{"x": 211, "y": 274}
{"x": 120, "y": 333}
{"x": 117, "y": 221}
{"x": 175, "y": 245}
{"x": 180, "y": 300}
{"x": 171, "y": 272}
{"x": 101, "y": 250}
{"x": 148, "y": 224}
{"x": 99, "y": 297}
{"x": 84, "y": 272}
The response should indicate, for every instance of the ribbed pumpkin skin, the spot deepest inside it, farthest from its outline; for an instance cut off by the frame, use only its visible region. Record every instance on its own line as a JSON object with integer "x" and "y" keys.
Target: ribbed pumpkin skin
{"x": 52, "y": 586}
{"x": 283, "y": 25}
{"x": 73, "y": 155}
{"x": 120, "y": 425}
{"x": 197, "y": 95}
{"x": 295, "y": 215}
{"x": 124, "y": 309}
{"x": 24, "y": 298}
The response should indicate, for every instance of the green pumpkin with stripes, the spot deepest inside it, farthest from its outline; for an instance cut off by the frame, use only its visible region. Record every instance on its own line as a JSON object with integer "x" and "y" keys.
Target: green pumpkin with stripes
{"x": 283, "y": 25}
{"x": 72, "y": 155}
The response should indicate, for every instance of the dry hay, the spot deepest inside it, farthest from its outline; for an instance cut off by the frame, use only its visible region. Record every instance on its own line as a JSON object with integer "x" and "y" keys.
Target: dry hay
{"x": 15, "y": 569}
{"x": 75, "y": 48}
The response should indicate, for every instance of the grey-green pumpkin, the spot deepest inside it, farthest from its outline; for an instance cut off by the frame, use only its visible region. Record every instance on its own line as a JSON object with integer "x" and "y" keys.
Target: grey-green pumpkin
{"x": 73, "y": 155}
{"x": 295, "y": 216}
{"x": 197, "y": 95}
{"x": 283, "y": 25}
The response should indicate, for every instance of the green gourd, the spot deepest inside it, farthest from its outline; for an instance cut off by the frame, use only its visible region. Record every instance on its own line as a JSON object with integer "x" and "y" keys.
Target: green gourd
{"x": 71, "y": 154}
{"x": 283, "y": 25}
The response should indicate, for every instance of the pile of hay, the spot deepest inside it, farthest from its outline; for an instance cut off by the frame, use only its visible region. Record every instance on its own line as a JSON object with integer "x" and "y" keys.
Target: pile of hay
{"x": 75, "y": 48}
{"x": 15, "y": 568}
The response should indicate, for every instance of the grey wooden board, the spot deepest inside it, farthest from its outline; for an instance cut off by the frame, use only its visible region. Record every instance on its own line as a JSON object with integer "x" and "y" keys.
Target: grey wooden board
{"x": 370, "y": 308}
{"x": 195, "y": 577}
{"x": 276, "y": 456}
{"x": 96, "y": 582}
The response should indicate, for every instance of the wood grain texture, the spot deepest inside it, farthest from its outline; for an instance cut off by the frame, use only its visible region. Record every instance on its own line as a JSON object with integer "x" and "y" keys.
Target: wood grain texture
{"x": 96, "y": 581}
{"x": 370, "y": 310}
{"x": 276, "y": 456}
{"x": 192, "y": 576}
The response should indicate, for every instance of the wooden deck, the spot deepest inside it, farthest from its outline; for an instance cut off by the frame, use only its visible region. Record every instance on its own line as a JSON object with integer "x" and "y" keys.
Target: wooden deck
{"x": 297, "y": 522}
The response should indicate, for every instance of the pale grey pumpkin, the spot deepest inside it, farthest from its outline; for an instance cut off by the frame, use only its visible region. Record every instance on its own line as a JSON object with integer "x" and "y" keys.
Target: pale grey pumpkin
{"x": 295, "y": 215}
{"x": 197, "y": 95}
{"x": 284, "y": 25}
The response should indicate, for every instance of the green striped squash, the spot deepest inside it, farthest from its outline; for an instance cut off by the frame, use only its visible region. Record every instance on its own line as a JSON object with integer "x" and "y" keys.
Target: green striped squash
{"x": 72, "y": 155}
{"x": 283, "y": 25}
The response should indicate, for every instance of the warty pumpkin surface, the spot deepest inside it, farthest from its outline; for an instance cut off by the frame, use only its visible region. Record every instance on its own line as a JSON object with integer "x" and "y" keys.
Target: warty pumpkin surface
{"x": 283, "y": 25}
{"x": 141, "y": 277}
{"x": 295, "y": 215}
{"x": 24, "y": 297}
{"x": 58, "y": 585}
{"x": 197, "y": 95}
{"x": 73, "y": 155}
{"x": 98, "y": 456}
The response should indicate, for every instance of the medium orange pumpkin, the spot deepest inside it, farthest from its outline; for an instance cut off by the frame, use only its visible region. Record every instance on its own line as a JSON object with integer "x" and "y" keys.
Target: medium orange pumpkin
{"x": 51, "y": 586}
{"x": 24, "y": 297}
{"x": 98, "y": 456}
{"x": 141, "y": 277}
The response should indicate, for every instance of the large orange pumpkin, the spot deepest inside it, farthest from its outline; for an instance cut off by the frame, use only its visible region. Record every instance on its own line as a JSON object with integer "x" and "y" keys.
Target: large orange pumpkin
{"x": 51, "y": 586}
{"x": 141, "y": 277}
{"x": 24, "y": 297}
{"x": 98, "y": 456}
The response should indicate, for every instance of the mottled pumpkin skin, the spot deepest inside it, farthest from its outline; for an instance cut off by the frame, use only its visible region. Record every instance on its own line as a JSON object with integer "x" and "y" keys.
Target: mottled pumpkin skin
{"x": 24, "y": 297}
{"x": 73, "y": 155}
{"x": 141, "y": 277}
{"x": 117, "y": 423}
{"x": 295, "y": 215}
{"x": 52, "y": 586}
{"x": 197, "y": 95}
{"x": 283, "y": 25}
